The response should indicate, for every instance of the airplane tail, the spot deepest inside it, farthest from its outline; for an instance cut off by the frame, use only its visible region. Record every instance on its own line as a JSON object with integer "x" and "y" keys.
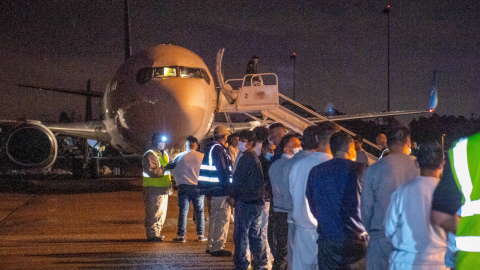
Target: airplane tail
{"x": 433, "y": 94}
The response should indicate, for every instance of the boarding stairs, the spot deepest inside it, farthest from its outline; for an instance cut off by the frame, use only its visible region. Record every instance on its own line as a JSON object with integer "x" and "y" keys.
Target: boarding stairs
{"x": 259, "y": 93}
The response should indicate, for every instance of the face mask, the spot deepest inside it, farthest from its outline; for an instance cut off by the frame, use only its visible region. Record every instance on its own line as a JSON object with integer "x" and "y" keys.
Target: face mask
{"x": 268, "y": 155}
{"x": 288, "y": 155}
{"x": 242, "y": 146}
{"x": 296, "y": 150}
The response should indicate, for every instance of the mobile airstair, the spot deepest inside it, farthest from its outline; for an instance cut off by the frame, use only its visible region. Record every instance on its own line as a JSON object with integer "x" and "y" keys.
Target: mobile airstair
{"x": 259, "y": 93}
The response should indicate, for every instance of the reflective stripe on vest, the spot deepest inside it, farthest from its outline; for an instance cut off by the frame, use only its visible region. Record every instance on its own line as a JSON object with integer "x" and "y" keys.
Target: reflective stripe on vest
{"x": 209, "y": 170}
{"x": 468, "y": 243}
{"x": 165, "y": 180}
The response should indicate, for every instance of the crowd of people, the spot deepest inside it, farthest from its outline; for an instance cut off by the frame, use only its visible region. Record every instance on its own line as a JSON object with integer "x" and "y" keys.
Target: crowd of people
{"x": 318, "y": 201}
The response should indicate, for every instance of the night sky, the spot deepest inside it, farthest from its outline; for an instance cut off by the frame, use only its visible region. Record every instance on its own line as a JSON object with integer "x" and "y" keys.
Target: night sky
{"x": 341, "y": 49}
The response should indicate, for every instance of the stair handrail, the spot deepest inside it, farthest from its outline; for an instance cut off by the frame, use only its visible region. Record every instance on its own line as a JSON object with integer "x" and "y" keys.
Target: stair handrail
{"x": 325, "y": 119}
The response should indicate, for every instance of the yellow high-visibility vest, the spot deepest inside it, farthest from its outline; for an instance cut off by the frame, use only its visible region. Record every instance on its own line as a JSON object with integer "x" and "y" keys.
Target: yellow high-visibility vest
{"x": 166, "y": 179}
{"x": 465, "y": 162}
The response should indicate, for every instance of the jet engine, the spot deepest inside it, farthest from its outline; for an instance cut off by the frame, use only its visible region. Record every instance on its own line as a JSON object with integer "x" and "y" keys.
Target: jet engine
{"x": 31, "y": 145}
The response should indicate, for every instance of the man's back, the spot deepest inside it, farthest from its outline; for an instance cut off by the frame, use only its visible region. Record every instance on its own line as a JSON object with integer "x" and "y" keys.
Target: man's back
{"x": 217, "y": 166}
{"x": 333, "y": 192}
{"x": 187, "y": 167}
{"x": 380, "y": 181}
{"x": 298, "y": 184}
{"x": 415, "y": 239}
{"x": 282, "y": 199}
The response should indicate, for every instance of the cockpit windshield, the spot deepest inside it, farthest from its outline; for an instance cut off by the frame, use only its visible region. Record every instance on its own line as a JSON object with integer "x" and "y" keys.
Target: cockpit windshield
{"x": 145, "y": 74}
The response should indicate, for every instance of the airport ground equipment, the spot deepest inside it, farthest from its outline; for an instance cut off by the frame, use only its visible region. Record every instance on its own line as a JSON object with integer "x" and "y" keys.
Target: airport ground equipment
{"x": 259, "y": 93}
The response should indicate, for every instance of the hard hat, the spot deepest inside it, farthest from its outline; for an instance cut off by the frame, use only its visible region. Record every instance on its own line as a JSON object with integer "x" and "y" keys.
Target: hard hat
{"x": 220, "y": 130}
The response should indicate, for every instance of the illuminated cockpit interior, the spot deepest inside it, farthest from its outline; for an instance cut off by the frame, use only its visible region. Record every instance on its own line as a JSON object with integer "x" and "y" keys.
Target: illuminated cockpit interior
{"x": 145, "y": 74}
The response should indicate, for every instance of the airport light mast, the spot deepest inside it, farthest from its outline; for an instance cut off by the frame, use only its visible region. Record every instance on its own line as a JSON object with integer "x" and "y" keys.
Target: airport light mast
{"x": 128, "y": 48}
{"x": 387, "y": 11}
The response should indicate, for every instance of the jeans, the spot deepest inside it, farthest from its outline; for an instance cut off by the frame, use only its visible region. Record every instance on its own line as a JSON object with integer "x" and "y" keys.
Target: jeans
{"x": 248, "y": 221}
{"x": 187, "y": 193}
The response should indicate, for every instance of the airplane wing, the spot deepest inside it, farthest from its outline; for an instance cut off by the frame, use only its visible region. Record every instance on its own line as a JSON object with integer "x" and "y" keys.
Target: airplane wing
{"x": 366, "y": 115}
{"x": 94, "y": 130}
{"x": 62, "y": 90}
{"x": 432, "y": 105}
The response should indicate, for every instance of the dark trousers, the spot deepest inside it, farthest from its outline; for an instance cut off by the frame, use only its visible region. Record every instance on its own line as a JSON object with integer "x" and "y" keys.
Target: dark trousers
{"x": 346, "y": 255}
{"x": 278, "y": 238}
{"x": 248, "y": 229}
{"x": 187, "y": 193}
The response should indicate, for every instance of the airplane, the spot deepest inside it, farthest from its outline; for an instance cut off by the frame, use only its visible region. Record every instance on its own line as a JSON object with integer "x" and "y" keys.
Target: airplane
{"x": 164, "y": 89}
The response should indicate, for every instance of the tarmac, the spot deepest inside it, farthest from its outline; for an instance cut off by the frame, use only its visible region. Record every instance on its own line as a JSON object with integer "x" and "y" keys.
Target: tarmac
{"x": 92, "y": 224}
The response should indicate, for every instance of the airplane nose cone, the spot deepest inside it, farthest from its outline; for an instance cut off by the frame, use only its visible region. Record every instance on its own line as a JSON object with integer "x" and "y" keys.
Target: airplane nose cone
{"x": 172, "y": 111}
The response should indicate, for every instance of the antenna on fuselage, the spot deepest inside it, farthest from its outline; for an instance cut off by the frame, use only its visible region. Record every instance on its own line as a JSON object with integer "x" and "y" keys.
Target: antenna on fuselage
{"x": 128, "y": 48}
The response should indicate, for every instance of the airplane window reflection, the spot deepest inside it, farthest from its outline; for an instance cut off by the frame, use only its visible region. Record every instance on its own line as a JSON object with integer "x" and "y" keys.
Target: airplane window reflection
{"x": 145, "y": 74}
{"x": 190, "y": 72}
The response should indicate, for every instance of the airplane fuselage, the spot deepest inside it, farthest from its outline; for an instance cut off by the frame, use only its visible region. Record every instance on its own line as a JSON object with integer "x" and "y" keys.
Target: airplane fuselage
{"x": 166, "y": 89}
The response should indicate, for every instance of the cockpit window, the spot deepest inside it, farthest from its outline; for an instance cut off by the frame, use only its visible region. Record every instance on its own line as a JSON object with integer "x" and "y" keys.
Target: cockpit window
{"x": 164, "y": 72}
{"x": 145, "y": 74}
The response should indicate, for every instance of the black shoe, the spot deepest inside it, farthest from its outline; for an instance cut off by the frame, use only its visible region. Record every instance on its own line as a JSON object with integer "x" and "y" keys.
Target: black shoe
{"x": 221, "y": 253}
{"x": 180, "y": 239}
{"x": 156, "y": 239}
{"x": 208, "y": 251}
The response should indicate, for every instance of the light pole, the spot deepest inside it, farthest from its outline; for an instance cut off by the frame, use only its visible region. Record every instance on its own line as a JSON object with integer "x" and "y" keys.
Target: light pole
{"x": 294, "y": 57}
{"x": 387, "y": 11}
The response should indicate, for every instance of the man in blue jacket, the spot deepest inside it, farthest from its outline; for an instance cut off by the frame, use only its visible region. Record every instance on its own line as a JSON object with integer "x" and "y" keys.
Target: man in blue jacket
{"x": 215, "y": 173}
{"x": 333, "y": 193}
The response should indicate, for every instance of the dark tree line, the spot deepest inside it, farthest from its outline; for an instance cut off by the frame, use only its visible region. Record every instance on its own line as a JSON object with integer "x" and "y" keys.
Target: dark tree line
{"x": 423, "y": 129}
{"x": 433, "y": 127}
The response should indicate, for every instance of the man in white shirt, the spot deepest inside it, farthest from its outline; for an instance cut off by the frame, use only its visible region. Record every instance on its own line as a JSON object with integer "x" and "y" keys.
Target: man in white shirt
{"x": 309, "y": 144}
{"x": 305, "y": 254}
{"x": 186, "y": 170}
{"x": 418, "y": 244}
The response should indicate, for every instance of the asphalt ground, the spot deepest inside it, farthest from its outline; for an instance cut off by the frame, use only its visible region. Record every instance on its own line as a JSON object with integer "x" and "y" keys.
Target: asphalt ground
{"x": 92, "y": 224}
